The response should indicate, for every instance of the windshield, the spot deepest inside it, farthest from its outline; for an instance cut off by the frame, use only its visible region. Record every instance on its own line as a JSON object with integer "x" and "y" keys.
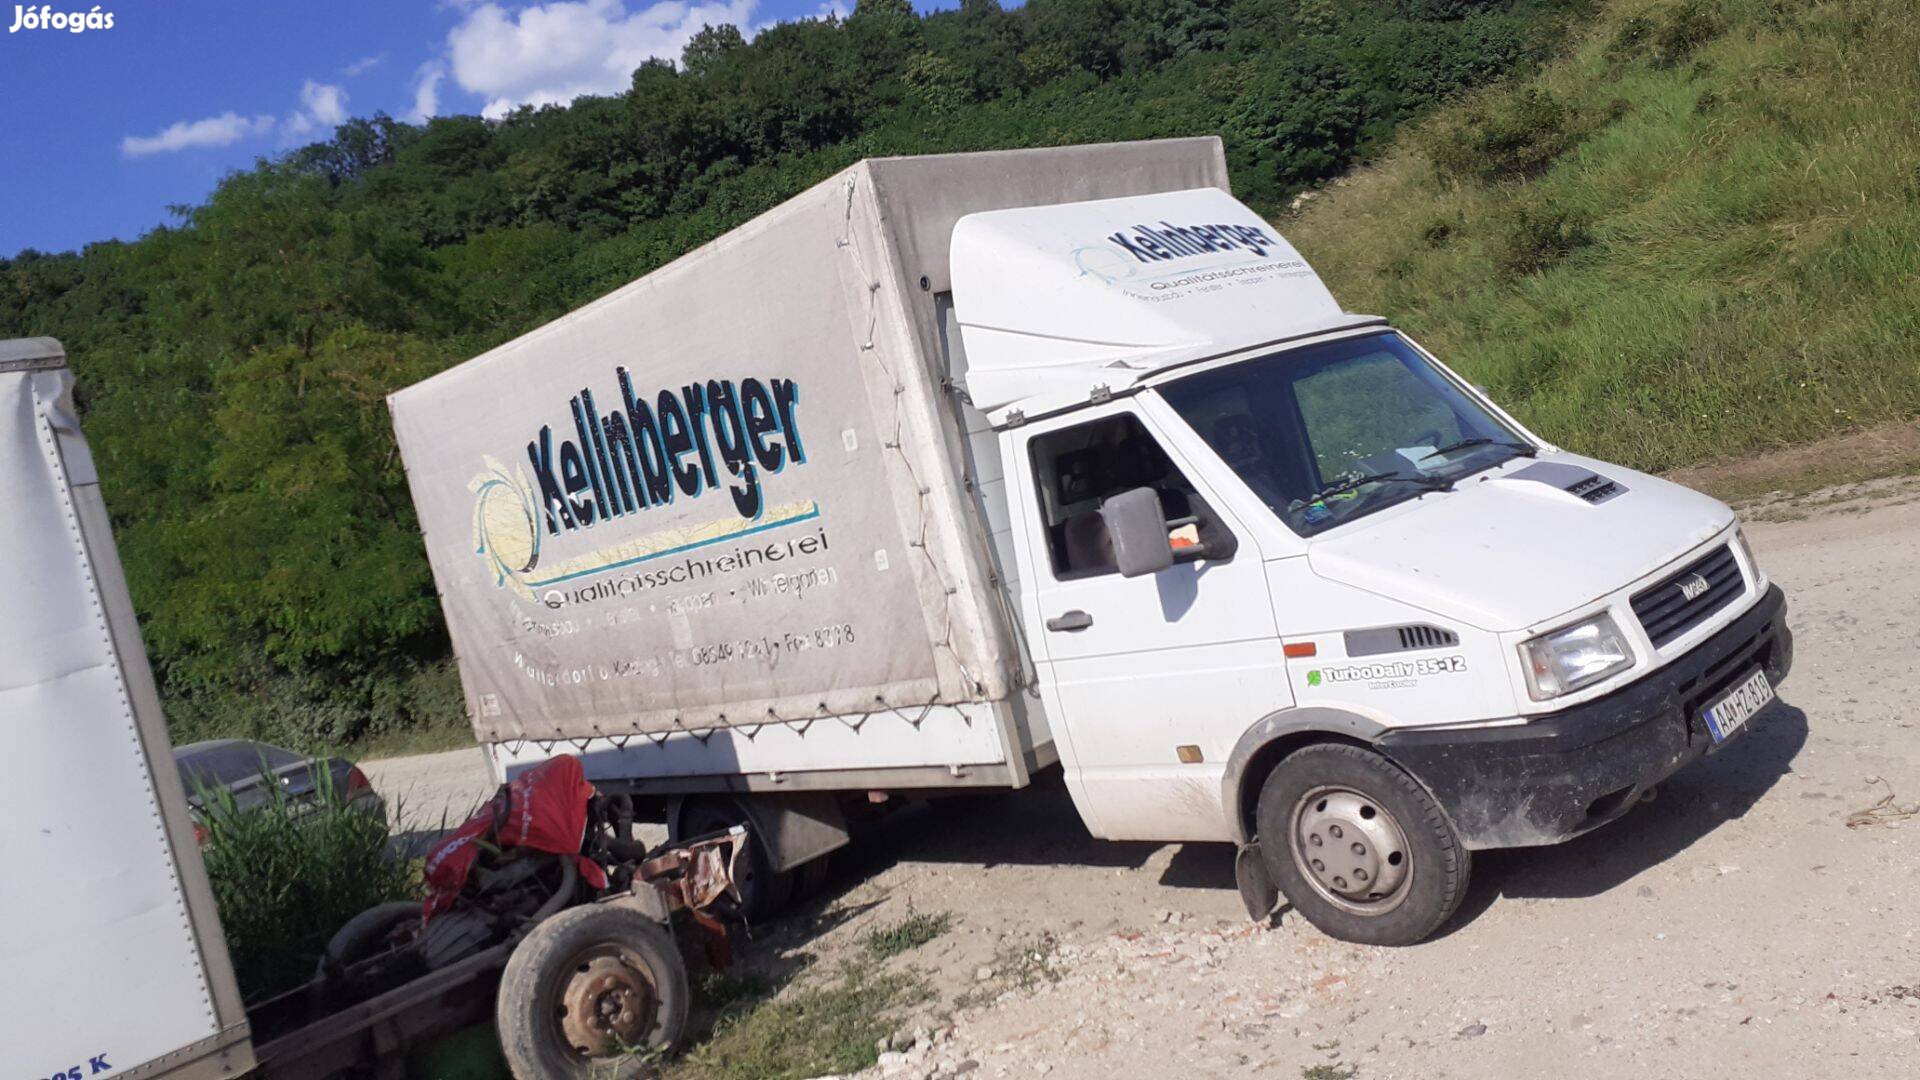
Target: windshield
{"x": 1332, "y": 432}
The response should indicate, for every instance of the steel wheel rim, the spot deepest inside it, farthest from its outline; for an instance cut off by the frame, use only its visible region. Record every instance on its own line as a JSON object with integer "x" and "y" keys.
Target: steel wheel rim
{"x": 606, "y": 1004}
{"x": 1351, "y": 850}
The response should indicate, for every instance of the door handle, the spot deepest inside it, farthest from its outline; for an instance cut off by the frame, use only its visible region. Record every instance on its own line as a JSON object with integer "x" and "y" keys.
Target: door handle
{"x": 1071, "y": 620}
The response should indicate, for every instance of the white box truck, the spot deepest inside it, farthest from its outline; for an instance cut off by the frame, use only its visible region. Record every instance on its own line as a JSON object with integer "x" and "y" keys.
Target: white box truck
{"x": 112, "y": 962}
{"x": 954, "y": 468}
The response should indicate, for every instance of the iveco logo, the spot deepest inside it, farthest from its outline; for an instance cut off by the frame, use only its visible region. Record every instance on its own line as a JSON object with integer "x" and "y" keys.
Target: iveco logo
{"x": 1693, "y": 587}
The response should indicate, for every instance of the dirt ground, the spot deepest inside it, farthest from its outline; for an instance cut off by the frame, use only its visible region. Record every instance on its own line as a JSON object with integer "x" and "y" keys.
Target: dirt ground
{"x": 1884, "y": 450}
{"x": 1738, "y": 926}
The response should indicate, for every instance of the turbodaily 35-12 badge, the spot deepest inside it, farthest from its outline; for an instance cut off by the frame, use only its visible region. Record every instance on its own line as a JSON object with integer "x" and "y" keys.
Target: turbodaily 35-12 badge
{"x": 1392, "y": 669}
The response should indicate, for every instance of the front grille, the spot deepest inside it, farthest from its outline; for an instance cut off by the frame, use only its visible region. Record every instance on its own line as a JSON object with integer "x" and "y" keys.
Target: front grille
{"x": 1666, "y": 611}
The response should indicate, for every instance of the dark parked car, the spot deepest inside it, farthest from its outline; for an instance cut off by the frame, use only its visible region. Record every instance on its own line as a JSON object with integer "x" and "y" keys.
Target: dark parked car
{"x": 251, "y": 770}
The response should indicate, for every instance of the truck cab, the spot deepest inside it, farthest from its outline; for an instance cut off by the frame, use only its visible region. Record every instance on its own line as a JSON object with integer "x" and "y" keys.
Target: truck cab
{"x": 1289, "y": 581}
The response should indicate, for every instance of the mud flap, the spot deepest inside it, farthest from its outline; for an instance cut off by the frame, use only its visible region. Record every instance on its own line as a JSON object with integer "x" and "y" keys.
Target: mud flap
{"x": 1257, "y": 890}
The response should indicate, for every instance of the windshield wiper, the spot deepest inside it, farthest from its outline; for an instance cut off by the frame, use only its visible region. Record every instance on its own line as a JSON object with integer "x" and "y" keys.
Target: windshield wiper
{"x": 1519, "y": 449}
{"x": 1431, "y": 483}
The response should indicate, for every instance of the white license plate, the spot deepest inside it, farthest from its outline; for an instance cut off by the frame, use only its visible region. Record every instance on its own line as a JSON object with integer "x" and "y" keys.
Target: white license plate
{"x": 1731, "y": 712}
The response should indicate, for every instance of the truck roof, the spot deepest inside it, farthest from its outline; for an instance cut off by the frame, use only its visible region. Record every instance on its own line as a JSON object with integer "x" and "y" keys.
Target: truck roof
{"x": 22, "y": 354}
{"x": 1057, "y": 303}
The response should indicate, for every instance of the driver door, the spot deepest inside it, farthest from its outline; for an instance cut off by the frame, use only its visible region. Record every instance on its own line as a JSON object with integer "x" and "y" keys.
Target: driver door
{"x": 1152, "y": 679}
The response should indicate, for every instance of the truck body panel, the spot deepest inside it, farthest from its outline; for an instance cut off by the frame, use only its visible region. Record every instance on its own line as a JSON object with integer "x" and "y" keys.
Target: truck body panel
{"x": 114, "y": 957}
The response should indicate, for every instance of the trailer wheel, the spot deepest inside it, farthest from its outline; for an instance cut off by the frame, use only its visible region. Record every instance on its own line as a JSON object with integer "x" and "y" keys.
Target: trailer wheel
{"x": 1359, "y": 847}
{"x": 763, "y": 891}
{"x": 595, "y": 991}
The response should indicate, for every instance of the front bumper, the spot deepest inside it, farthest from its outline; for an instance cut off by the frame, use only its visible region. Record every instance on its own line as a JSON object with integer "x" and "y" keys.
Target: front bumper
{"x": 1565, "y": 773}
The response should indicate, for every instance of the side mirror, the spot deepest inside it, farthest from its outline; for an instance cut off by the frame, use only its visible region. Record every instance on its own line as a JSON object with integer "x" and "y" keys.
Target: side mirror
{"x": 1137, "y": 529}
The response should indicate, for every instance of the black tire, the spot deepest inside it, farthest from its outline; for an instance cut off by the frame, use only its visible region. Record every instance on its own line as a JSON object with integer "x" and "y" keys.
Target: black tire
{"x": 616, "y": 958}
{"x": 763, "y": 892}
{"x": 1390, "y": 869}
{"x": 365, "y": 935}
{"x": 812, "y": 876}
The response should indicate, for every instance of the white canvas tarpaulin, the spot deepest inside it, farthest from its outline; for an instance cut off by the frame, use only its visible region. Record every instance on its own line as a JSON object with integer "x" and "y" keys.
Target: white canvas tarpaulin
{"x": 728, "y": 494}
{"x": 685, "y": 505}
{"x": 112, "y": 955}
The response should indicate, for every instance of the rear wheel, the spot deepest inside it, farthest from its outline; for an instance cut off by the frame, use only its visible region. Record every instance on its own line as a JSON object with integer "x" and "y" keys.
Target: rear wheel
{"x": 595, "y": 991}
{"x": 763, "y": 891}
{"x": 1359, "y": 847}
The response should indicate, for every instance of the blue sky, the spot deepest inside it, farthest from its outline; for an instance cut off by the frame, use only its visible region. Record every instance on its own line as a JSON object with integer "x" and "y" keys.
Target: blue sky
{"x": 100, "y": 131}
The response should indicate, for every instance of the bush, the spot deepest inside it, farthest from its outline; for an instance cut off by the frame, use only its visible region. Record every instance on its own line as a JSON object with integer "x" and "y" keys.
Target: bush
{"x": 401, "y": 703}
{"x": 1667, "y": 35}
{"x": 1540, "y": 237}
{"x": 286, "y": 875}
{"x": 1631, "y": 39}
{"x": 1512, "y": 137}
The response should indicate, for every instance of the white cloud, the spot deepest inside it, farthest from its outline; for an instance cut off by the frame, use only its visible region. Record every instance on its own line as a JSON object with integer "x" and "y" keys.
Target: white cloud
{"x": 833, "y": 9}
{"x": 426, "y": 91}
{"x": 363, "y": 65}
{"x": 323, "y": 106}
{"x": 549, "y": 54}
{"x": 223, "y": 130}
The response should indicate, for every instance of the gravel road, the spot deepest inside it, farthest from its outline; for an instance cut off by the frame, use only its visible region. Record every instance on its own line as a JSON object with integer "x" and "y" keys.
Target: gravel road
{"x": 1736, "y": 927}
{"x": 429, "y": 793}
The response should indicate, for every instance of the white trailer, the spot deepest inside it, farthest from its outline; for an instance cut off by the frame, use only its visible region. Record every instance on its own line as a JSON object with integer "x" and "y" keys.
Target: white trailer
{"x": 112, "y": 954}
{"x": 952, "y": 468}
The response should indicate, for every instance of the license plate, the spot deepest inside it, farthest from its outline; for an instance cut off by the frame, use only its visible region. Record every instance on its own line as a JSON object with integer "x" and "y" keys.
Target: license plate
{"x": 1731, "y": 712}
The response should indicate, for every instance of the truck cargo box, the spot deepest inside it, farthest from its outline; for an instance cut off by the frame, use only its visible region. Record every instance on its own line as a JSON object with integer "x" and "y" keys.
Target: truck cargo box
{"x": 732, "y": 518}
{"x": 113, "y": 957}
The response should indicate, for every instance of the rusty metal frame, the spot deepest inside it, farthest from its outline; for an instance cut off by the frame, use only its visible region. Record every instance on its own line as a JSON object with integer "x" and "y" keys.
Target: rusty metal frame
{"x": 373, "y": 1034}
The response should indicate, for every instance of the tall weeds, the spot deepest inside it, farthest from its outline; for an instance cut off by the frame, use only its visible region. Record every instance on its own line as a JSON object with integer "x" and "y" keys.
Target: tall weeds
{"x": 286, "y": 874}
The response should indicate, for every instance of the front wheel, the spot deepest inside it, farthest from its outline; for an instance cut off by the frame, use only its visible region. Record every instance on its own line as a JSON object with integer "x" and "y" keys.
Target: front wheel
{"x": 1359, "y": 847}
{"x": 595, "y": 991}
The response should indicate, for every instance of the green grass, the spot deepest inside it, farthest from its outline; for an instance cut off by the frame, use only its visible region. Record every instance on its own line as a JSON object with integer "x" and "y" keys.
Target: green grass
{"x": 828, "y": 1024}
{"x": 470, "y": 1054}
{"x": 1695, "y": 235}
{"x": 825, "y": 1026}
{"x": 286, "y": 876}
{"x": 910, "y": 933}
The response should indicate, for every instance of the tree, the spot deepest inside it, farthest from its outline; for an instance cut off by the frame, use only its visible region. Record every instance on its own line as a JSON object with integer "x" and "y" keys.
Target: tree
{"x": 710, "y": 46}
{"x": 233, "y": 364}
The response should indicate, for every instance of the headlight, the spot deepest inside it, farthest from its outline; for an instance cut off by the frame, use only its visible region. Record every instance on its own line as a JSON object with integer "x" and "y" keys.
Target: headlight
{"x": 1574, "y": 656}
{"x": 1746, "y": 549}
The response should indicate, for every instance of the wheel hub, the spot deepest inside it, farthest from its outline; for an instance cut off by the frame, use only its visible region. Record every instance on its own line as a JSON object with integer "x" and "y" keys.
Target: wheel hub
{"x": 1351, "y": 850}
{"x": 606, "y": 1006}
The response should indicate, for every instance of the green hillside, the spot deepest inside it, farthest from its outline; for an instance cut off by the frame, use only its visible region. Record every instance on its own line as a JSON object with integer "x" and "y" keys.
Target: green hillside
{"x": 233, "y": 366}
{"x": 1659, "y": 230}
{"x": 1696, "y": 234}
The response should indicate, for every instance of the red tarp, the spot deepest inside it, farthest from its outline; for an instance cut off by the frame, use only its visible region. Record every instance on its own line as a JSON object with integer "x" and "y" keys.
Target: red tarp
{"x": 544, "y": 808}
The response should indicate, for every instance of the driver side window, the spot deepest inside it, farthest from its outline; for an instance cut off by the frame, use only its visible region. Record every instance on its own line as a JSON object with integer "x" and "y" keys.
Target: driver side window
{"x": 1076, "y": 469}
